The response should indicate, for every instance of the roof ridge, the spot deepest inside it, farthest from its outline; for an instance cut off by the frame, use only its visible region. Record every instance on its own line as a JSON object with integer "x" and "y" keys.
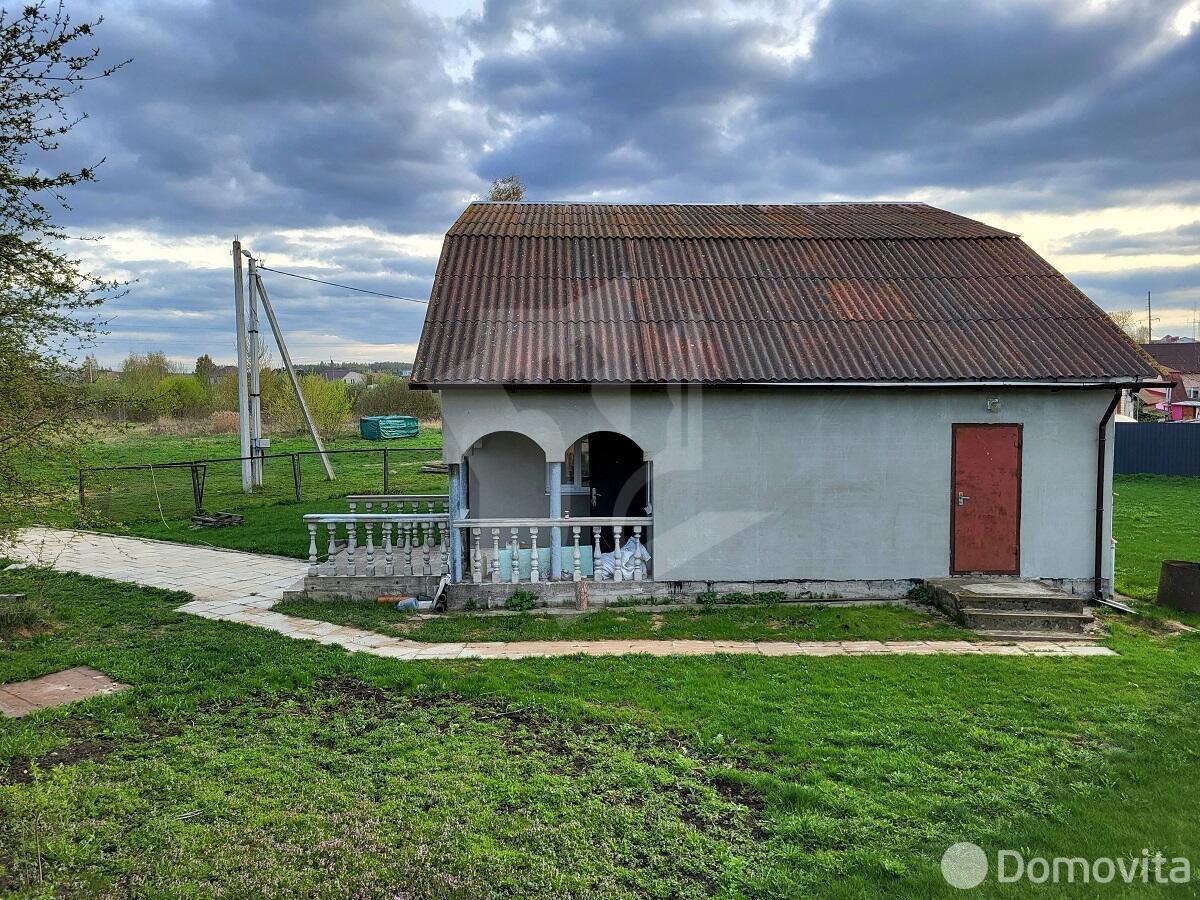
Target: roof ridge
{"x": 698, "y": 203}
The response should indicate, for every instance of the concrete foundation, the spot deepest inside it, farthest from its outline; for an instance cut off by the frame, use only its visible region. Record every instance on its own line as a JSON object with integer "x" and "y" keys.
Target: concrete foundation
{"x": 600, "y": 593}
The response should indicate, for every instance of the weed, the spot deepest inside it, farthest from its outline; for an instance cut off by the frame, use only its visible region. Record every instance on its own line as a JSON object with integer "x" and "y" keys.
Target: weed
{"x": 23, "y": 618}
{"x": 922, "y": 593}
{"x": 521, "y": 601}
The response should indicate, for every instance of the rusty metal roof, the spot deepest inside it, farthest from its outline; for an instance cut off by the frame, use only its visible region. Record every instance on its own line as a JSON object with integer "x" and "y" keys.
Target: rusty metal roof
{"x": 539, "y": 293}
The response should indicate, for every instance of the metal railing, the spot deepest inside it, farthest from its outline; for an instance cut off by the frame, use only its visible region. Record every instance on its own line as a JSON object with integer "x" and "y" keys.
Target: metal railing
{"x": 143, "y": 491}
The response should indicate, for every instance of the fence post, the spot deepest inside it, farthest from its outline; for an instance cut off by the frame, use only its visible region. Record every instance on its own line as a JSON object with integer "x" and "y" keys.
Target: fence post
{"x": 197, "y": 497}
{"x": 82, "y": 497}
{"x": 296, "y": 476}
{"x": 386, "y": 470}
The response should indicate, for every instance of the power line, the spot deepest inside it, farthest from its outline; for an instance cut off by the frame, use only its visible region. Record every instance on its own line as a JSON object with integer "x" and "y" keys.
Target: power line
{"x": 347, "y": 287}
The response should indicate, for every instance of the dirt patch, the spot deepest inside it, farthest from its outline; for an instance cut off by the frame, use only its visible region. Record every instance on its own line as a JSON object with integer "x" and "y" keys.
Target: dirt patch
{"x": 21, "y": 771}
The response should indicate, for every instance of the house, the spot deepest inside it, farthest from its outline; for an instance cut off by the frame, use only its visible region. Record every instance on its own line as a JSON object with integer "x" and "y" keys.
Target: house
{"x": 346, "y": 376}
{"x": 217, "y": 373}
{"x": 845, "y": 395}
{"x": 1181, "y": 398}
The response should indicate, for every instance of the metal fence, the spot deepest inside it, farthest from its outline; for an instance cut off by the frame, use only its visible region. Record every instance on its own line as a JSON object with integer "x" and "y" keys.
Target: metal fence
{"x": 1156, "y": 448}
{"x": 175, "y": 490}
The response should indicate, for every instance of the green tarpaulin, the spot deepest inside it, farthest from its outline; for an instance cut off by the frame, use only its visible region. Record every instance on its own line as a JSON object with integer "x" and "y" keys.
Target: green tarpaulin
{"x": 386, "y": 428}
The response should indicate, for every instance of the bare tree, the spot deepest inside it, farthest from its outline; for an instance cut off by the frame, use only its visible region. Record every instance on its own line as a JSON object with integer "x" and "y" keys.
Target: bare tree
{"x": 1127, "y": 322}
{"x": 507, "y": 189}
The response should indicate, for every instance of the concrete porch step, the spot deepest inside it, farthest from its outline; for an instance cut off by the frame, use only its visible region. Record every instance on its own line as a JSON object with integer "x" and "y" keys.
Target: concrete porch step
{"x": 983, "y": 619}
{"x": 1030, "y": 603}
{"x": 996, "y": 606}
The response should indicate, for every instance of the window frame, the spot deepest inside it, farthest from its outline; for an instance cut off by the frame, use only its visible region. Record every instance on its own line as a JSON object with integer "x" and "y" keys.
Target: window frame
{"x": 578, "y": 485}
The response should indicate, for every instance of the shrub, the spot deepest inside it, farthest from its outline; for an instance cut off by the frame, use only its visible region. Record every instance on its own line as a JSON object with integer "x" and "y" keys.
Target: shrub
{"x": 391, "y": 395}
{"x": 327, "y": 401}
{"x": 182, "y": 396}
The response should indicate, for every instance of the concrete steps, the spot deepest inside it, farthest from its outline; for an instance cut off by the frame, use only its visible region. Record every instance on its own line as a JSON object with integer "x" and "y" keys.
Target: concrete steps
{"x": 1011, "y": 609}
{"x": 983, "y": 619}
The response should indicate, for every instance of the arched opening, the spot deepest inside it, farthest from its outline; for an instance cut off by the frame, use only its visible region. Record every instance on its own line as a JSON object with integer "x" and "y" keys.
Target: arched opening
{"x": 506, "y": 477}
{"x": 606, "y": 475}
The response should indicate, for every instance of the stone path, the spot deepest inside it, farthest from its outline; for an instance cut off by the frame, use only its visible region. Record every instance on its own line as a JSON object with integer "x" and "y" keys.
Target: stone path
{"x": 242, "y": 587}
{"x": 67, "y": 686}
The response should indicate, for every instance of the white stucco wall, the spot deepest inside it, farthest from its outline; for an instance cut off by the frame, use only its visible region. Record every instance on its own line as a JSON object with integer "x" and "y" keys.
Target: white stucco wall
{"x": 844, "y": 483}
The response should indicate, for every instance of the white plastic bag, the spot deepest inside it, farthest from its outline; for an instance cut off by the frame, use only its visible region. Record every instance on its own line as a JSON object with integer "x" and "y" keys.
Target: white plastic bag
{"x": 607, "y": 564}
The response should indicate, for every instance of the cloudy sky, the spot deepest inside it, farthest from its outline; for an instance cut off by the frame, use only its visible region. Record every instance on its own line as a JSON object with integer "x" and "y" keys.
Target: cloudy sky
{"x": 341, "y": 139}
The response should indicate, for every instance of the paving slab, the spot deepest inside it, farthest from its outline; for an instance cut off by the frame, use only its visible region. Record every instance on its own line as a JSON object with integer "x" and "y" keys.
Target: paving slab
{"x": 58, "y": 689}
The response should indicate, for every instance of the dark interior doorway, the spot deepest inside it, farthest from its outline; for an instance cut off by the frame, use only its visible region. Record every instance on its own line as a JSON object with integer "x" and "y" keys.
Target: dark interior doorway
{"x": 618, "y": 479}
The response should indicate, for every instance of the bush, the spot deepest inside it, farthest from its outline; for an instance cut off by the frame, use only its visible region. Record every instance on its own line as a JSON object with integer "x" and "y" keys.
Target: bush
{"x": 391, "y": 396}
{"x": 521, "y": 601}
{"x": 182, "y": 396}
{"x": 328, "y": 403}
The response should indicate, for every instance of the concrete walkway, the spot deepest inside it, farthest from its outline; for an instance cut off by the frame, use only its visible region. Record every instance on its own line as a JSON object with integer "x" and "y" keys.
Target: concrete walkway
{"x": 242, "y": 587}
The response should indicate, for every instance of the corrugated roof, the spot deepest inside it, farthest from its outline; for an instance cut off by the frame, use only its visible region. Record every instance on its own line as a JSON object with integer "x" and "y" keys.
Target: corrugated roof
{"x": 1181, "y": 357}
{"x": 537, "y": 293}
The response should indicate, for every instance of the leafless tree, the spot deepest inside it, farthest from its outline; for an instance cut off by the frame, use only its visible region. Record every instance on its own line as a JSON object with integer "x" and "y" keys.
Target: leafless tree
{"x": 508, "y": 189}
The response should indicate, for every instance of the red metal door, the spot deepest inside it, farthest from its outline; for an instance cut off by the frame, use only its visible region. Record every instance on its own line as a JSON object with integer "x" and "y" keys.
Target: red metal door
{"x": 985, "y": 502}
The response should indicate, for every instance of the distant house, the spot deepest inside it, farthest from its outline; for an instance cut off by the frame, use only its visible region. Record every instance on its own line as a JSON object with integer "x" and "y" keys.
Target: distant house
{"x": 842, "y": 394}
{"x": 218, "y": 372}
{"x": 346, "y": 376}
{"x": 1181, "y": 359}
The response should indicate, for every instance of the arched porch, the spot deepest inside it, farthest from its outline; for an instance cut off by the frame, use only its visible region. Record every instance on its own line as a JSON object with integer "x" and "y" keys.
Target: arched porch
{"x": 583, "y": 515}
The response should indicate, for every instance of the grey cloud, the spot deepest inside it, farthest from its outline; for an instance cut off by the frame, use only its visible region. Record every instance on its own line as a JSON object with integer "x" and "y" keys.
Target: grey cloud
{"x": 287, "y": 114}
{"x": 1111, "y": 242}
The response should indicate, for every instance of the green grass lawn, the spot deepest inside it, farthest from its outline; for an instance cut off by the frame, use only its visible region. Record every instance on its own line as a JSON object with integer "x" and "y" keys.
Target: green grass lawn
{"x": 810, "y": 622}
{"x": 1155, "y": 517}
{"x": 242, "y": 763}
{"x": 159, "y": 504}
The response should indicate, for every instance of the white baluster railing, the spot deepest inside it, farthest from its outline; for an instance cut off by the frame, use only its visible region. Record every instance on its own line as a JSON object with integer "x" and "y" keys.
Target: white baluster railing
{"x": 426, "y": 533}
{"x": 489, "y": 541}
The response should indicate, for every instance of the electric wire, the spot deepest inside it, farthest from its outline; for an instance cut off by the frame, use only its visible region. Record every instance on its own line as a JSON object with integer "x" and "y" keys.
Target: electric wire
{"x": 347, "y": 287}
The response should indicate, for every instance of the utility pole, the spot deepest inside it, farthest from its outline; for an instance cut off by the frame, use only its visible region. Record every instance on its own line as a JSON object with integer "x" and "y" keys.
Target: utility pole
{"x": 239, "y": 304}
{"x": 255, "y": 346}
{"x": 1149, "y": 321}
{"x": 291, "y": 371}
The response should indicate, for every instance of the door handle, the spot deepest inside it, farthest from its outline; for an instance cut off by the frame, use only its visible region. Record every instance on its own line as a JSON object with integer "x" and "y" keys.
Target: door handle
{"x": 962, "y": 499}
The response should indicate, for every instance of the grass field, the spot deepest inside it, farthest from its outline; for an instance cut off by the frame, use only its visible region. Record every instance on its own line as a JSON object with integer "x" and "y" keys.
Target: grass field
{"x": 242, "y": 763}
{"x": 1155, "y": 517}
{"x": 159, "y": 504}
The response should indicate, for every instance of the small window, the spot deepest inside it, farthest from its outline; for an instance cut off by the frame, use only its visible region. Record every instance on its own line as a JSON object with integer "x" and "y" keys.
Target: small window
{"x": 1193, "y": 393}
{"x": 575, "y": 469}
